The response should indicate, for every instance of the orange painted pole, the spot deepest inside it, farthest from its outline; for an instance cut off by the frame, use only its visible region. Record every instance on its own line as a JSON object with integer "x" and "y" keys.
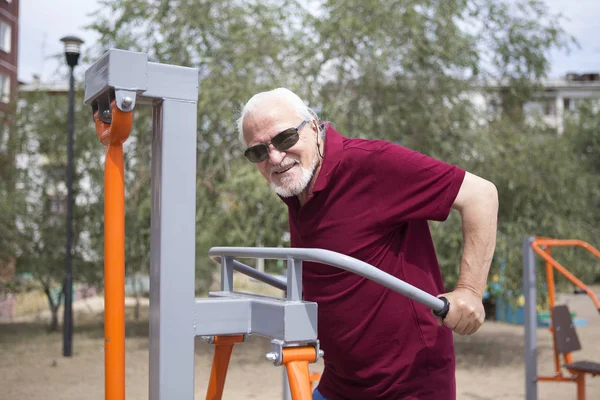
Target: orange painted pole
{"x": 218, "y": 373}
{"x": 568, "y": 242}
{"x": 114, "y": 274}
{"x": 551, "y": 301}
{"x": 580, "y": 380}
{"x": 296, "y": 361}
{"x": 113, "y": 135}
{"x": 550, "y": 280}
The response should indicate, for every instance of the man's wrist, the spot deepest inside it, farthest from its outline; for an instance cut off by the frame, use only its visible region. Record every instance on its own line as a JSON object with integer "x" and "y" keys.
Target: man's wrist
{"x": 470, "y": 288}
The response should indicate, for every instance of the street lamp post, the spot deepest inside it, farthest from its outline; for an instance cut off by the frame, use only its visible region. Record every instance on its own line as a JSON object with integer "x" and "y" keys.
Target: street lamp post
{"x": 72, "y": 51}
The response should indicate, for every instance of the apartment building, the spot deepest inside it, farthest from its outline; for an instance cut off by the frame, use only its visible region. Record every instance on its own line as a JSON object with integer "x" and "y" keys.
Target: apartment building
{"x": 9, "y": 34}
{"x": 9, "y": 45}
{"x": 555, "y": 98}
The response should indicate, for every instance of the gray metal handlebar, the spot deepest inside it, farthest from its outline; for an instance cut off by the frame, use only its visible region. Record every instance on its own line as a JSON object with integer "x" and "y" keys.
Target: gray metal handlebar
{"x": 439, "y": 306}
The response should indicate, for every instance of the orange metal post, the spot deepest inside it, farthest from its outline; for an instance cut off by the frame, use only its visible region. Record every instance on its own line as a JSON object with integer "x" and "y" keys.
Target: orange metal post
{"x": 296, "y": 361}
{"x": 551, "y": 301}
{"x": 218, "y": 373}
{"x": 550, "y": 278}
{"x": 113, "y": 135}
{"x": 114, "y": 274}
{"x": 580, "y": 380}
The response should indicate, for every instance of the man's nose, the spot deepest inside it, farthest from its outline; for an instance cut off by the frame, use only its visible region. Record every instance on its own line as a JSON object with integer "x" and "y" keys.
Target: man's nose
{"x": 275, "y": 156}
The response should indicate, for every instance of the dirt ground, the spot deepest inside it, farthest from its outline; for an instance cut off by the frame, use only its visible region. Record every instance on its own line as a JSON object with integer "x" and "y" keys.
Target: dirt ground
{"x": 490, "y": 363}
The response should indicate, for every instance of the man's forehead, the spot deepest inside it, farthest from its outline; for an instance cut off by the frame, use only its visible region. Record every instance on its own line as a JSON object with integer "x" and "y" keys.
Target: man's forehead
{"x": 267, "y": 120}
{"x": 272, "y": 109}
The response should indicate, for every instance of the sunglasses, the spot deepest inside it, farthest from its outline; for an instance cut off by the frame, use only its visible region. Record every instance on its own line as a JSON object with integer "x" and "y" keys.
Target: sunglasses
{"x": 282, "y": 141}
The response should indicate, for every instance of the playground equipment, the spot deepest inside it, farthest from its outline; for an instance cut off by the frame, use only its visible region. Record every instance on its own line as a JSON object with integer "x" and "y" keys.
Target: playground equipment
{"x": 562, "y": 327}
{"x": 113, "y": 86}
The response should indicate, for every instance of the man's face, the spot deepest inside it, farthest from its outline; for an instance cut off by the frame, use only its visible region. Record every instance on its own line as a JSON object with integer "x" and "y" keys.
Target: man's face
{"x": 289, "y": 172}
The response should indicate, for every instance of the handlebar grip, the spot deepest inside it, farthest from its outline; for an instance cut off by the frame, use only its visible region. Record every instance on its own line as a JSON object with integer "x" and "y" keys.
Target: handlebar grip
{"x": 444, "y": 311}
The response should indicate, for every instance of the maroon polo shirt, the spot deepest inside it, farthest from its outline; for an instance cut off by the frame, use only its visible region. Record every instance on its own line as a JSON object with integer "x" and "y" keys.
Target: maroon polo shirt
{"x": 371, "y": 201}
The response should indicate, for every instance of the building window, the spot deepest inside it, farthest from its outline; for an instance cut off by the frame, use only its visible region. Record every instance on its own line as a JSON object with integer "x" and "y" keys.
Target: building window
{"x": 4, "y": 88}
{"x": 5, "y": 37}
{"x": 569, "y": 104}
{"x": 549, "y": 107}
{"x": 4, "y": 132}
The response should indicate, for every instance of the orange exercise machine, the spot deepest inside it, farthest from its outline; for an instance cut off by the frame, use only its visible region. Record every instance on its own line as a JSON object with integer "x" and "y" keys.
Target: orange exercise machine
{"x": 565, "y": 338}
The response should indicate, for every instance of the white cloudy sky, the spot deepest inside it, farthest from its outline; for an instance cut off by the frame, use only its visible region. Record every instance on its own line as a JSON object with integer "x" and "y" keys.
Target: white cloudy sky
{"x": 44, "y": 22}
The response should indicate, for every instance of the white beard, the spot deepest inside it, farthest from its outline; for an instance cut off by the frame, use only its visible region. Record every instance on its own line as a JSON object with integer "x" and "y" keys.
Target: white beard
{"x": 293, "y": 187}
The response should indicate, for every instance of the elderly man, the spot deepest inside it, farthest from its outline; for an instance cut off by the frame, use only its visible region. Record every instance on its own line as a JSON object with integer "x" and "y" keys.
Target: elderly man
{"x": 371, "y": 199}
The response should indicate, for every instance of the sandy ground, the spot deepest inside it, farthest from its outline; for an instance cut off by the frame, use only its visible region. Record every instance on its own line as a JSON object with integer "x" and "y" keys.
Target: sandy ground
{"x": 490, "y": 363}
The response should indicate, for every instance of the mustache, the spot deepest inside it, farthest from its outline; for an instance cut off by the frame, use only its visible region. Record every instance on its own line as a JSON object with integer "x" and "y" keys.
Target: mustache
{"x": 285, "y": 164}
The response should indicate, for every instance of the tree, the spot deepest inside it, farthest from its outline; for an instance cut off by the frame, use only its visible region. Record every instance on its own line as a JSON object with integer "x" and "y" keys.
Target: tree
{"x": 41, "y": 125}
{"x": 399, "y": 71}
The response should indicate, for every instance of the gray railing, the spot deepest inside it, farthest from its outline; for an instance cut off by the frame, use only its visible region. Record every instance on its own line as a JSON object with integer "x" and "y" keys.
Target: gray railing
{"x": 295, "y": 256}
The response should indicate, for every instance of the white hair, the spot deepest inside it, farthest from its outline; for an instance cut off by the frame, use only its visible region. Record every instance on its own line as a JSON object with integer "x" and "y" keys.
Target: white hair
{"x": 281, "y": 94}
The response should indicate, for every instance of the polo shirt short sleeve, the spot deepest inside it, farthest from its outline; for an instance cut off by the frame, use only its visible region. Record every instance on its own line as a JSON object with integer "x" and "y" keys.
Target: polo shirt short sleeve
{"x": 372, "y": 201}
{"x": 413, "y": 186}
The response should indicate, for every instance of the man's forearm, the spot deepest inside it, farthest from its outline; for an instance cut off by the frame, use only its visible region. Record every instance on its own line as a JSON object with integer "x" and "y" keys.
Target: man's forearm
{"x": 479, "y": 224}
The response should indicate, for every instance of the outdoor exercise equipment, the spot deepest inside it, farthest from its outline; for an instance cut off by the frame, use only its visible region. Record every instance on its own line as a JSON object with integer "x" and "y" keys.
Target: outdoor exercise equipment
{"x": 114, "y": 85}
{"x": 565, "y": 338}
{"x": 290, "y": 323}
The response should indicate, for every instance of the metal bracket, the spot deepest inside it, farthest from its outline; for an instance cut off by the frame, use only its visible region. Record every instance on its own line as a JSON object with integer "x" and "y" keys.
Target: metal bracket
{"x": 125, "y": 99}
{"x": 102, "y": 106}
{"x": 277, "y": 346}
{"x": 210, "y": 339}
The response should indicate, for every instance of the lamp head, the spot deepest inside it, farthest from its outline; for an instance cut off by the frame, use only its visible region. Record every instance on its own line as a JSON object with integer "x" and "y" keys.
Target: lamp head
{"x": 72, "y": 49}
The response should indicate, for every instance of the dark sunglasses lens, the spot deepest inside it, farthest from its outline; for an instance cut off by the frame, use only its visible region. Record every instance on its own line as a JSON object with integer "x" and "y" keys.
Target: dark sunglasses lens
{"x": 285, "y": 139}
{"x": 257, "y": 153}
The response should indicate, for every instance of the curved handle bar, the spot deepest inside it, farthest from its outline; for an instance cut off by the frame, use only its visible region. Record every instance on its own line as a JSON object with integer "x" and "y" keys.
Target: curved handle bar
{"x": 440, "y": 306}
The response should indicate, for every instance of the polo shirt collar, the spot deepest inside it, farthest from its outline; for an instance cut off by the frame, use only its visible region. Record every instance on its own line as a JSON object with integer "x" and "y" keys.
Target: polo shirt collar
{"x": 334, "y": 149}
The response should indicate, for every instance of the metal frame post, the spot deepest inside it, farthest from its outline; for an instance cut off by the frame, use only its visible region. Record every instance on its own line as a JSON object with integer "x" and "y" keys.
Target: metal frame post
{"x": 294, "y": 279}
{"x": 227, "y": 274}
{"x": 172, "y": 91}
{"x": 530, "y": 295}
{"x": 172, "y": 258}
{"x": 294, "y": 293}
